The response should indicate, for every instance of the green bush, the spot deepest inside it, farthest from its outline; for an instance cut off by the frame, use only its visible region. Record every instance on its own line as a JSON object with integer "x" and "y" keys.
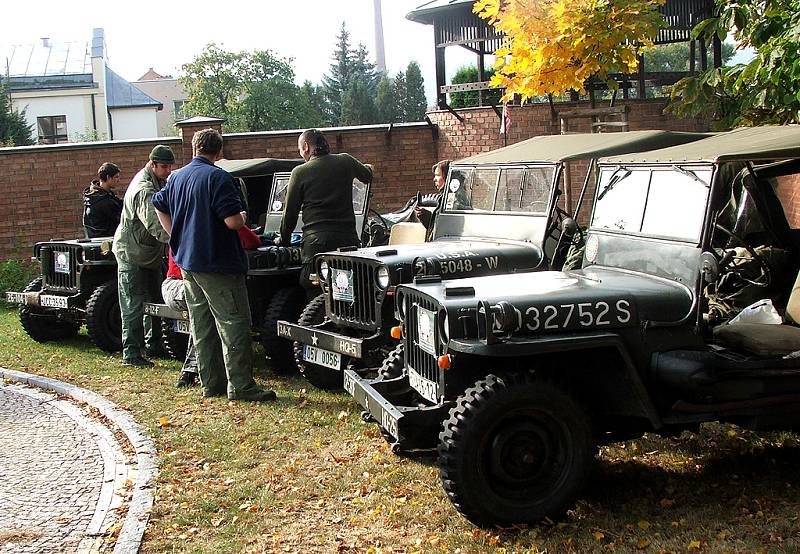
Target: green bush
{"x": 15, "y": 275}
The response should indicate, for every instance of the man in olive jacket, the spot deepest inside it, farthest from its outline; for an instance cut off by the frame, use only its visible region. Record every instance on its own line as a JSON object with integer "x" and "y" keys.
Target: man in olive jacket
{"x": 139, "y": 245}
{"x": 323, "y": 189}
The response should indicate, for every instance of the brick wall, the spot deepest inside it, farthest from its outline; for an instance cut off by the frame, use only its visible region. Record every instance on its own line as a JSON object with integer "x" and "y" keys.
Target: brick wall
{"x": 40, "y": 186}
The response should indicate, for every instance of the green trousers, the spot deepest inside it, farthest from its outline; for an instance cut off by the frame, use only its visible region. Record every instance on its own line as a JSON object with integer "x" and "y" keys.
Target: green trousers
{"x": 137, "y": 285}
{"x": 219, "y": 315}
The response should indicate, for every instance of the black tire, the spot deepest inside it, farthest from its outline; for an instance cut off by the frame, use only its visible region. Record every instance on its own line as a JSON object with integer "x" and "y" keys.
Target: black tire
{"x": 393, "y": 364}
{"x": 321, "y": 377}
{"x": 286, "y": 304}
{"x": 175, "y": 343}
{"x": 515, "y": 449}
{"x": 103, "y": 319}
{"x": 42, "y": 326}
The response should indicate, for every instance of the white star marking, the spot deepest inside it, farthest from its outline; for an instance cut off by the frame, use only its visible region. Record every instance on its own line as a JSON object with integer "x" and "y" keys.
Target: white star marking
{"x": 314, "y": 339}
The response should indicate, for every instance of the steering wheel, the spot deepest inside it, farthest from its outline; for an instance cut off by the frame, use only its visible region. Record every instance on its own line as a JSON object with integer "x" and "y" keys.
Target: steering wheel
{"x": 728, "y": 265}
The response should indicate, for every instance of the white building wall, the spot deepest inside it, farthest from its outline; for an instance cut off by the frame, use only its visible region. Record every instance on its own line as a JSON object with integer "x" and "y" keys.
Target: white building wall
{"x": 166, "y": 91}
{"x": 133, "y": 123}
{"x": 77, "y": 109}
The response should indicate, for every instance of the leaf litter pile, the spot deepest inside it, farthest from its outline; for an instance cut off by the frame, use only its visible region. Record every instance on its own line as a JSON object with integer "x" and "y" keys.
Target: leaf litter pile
{"x": 307, "y": 475}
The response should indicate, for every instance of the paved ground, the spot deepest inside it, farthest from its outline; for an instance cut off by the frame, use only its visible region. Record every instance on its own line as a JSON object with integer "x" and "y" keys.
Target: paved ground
{"x": 63, "y": 475}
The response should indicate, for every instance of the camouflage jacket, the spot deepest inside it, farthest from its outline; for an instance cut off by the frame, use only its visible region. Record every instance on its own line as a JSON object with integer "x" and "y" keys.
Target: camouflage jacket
{"x": 140, "y": 239}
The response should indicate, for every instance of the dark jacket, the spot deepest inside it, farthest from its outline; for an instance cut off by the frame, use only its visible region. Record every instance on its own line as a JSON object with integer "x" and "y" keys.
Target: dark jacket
{"x": 323, "y": 189}
{"x": 101, "y": 211}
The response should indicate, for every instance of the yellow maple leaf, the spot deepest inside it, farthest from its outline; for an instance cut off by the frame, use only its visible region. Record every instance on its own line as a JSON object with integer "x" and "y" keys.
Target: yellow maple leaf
{"x": 693, "y": 545}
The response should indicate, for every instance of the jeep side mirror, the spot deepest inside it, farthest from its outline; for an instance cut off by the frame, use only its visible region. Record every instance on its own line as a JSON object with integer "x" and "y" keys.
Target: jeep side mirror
{"x": 709, "y": 267}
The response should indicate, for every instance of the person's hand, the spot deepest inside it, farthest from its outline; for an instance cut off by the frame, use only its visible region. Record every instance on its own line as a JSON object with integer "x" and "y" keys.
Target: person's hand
{"x": 244, "y": 214}
{"x": 276, "y": 241}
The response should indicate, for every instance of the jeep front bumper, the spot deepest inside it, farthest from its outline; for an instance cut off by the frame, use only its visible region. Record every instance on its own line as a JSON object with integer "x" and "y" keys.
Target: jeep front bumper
{"x": 39, "y": 300}
{"x": 319, "y": 336}
{"x": 411, "y": 427}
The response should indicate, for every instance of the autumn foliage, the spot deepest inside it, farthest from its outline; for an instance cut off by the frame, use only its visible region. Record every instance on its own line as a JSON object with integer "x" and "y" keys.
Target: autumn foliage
{"x": 553, "y": 46}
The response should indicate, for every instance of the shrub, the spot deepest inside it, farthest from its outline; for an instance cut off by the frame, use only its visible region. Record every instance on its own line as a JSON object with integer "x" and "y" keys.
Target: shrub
{"x": 14, "y": 275}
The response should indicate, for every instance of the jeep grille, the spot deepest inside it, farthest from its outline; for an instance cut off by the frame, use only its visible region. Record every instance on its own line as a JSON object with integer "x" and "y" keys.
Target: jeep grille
{"x": 419, "y": 360}
{"x": 66, "y": 278}
{"x": 365, "y": 309}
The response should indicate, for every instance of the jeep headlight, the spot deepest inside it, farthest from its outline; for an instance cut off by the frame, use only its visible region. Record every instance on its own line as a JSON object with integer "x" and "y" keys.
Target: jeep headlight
{"x": 383, "y": 277}
{"x": 505, "y": 317}
{"x": 324, "y": 270}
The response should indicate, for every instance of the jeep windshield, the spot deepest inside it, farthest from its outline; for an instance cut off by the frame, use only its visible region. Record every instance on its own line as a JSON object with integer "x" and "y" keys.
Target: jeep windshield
{"x": 664, "y": 201}
{"x": 500, "y": 189}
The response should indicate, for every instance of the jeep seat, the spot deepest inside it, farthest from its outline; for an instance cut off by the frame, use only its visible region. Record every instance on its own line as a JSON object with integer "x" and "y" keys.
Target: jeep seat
{"x": 407, "y": 233}
{"x": 763, "y": 339}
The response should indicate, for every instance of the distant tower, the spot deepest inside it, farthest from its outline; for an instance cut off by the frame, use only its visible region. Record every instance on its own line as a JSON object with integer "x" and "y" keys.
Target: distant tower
{"x": 380, "y": 55}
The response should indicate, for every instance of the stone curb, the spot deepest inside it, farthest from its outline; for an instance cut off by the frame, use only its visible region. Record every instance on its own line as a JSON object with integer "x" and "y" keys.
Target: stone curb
{"x": 130, "y": 536}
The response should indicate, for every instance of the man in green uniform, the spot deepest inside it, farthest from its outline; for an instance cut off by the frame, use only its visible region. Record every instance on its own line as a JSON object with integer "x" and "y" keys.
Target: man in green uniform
{"x": 323, "y": 189}
{"x": 139, "y": 245}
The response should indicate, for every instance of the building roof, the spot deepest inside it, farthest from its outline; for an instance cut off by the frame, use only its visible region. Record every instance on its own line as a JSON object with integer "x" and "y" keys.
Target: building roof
{"x": 153, "y": 76}
{"x": 771, "y": 142}
{"x": 425, "y": 12}
{"x": 46, "y": 59}
{"x": 121, "y": 94}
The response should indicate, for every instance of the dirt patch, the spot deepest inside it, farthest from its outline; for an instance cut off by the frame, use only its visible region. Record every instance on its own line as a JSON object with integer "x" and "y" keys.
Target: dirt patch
{"x": 22, "y": 534}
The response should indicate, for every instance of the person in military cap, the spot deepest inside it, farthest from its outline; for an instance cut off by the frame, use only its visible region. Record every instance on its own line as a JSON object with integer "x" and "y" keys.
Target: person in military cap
{"x": 101, "y": 205}
{"x": 139, "y": 245}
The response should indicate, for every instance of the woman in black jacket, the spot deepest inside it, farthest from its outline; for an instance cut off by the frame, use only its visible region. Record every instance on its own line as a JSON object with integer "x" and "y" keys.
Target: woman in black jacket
{"x": 101, "y": 206}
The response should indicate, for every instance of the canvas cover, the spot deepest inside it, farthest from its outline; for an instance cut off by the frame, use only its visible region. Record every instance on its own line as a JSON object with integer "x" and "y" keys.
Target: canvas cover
{"x": 581, "y": 146}
{"x": 254, "y": 167}
{"x": 771, "y": 142}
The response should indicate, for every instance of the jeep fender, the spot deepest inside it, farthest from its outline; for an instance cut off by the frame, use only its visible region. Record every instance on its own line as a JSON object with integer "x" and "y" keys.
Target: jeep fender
{"x": 530, "y": 347}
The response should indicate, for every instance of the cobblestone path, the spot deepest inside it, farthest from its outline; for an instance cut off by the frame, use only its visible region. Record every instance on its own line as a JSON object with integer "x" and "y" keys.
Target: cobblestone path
{"x": 61, "y": 475}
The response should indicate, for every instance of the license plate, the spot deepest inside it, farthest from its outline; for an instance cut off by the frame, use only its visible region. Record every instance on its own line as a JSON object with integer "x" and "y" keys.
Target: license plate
{"x": 61, "y": 262}
{"x": 322, "y": 357}
{"x": 425, "y": 387}
{"x": 349, "y": 385}
{"x": 426, "y": 324}
{"x": 15, "y": 297}
{"x": 343, "y": 285}
{"x": 49, "y": 301}
{"x": 182, "y": 326}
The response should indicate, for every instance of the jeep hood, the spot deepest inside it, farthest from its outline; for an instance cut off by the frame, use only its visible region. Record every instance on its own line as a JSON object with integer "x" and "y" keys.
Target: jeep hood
{"x": 652, "y": 299}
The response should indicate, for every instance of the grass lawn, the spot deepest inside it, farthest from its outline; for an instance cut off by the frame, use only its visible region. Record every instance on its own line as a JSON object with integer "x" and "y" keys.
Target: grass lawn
{"x": 306, "y": 475}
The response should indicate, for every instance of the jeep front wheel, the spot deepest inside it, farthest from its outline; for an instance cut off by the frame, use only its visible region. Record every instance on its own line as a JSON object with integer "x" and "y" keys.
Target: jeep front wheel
{"x": 286, "y": 304}
{"x": 515, "y": 449}
{"x": 321, "y": 377}
{"x": 103, "y": 318}
{"x": 41, "y": 326}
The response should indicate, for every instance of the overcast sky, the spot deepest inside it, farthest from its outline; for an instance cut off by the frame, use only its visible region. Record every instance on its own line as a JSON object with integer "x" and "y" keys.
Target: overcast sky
{"x": 165, "y": 35}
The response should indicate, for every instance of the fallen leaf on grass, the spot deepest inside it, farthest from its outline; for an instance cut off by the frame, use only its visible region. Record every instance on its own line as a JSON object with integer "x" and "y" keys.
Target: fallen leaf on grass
{"x": 641, "y": 544}
{"x": 164, "y": 422}
{"x": 667, "y": 503}
{"x": 342, "y": 415}
{"x": 598, "y": 536}
{"x": 643, "y": 524}
{"x": 693, "y": 545}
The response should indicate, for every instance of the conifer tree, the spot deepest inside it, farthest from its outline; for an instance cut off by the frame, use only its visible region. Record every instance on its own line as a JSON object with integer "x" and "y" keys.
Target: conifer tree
{"x": 14, "y": 130}
{"x": 414, "y": 103}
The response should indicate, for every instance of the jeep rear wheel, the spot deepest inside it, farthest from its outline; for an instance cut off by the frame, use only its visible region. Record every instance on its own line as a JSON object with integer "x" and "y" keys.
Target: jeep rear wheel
{"x": 42, "y": 326}
{"x": 321, "y": 377}
{"x": 175, "y": 343}
{"x": 286, "y": 304}
{"x": 515, "y": 449}
{"x": 103, "y": 319}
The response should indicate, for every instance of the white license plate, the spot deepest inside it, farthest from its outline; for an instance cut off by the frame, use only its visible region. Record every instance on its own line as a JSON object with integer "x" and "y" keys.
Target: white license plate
{"x": 349, "y": 385}
{"x": 322, "y": 357}
{"x": 49, "y": 301}
{"x": 15, "y": 297}
{"x": 426, "y": 325}
{"x": 425, "y": 387}
{"x": 182, "y": 326}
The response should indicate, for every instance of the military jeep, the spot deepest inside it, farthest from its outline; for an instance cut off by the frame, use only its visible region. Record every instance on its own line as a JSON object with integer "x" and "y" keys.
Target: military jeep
{"x": 273, "y": 277}
{"x": 77, "y": 284}
{"x": 518, "y": 378}
{"x": 501, "y": 213}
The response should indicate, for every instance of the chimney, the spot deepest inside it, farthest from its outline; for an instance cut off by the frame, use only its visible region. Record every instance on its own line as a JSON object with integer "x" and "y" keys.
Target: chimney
{"x": 380, "y": 55}
{"x": 46, "y": 42}
{"x": 98, "y": 43}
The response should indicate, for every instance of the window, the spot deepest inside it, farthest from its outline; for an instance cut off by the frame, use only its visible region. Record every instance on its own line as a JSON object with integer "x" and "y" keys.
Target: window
{"x": 52, "y": 129}
{"x": 510, "y": 190}
{"x": 177, "y": 108}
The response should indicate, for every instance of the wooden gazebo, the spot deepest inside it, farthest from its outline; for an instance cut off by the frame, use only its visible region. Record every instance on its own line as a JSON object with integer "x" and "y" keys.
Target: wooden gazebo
{"x": 454, "y": 24}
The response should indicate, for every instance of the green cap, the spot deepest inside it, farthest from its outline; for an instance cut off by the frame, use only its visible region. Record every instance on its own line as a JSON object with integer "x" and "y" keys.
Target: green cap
{"x": 162, "y": 154}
